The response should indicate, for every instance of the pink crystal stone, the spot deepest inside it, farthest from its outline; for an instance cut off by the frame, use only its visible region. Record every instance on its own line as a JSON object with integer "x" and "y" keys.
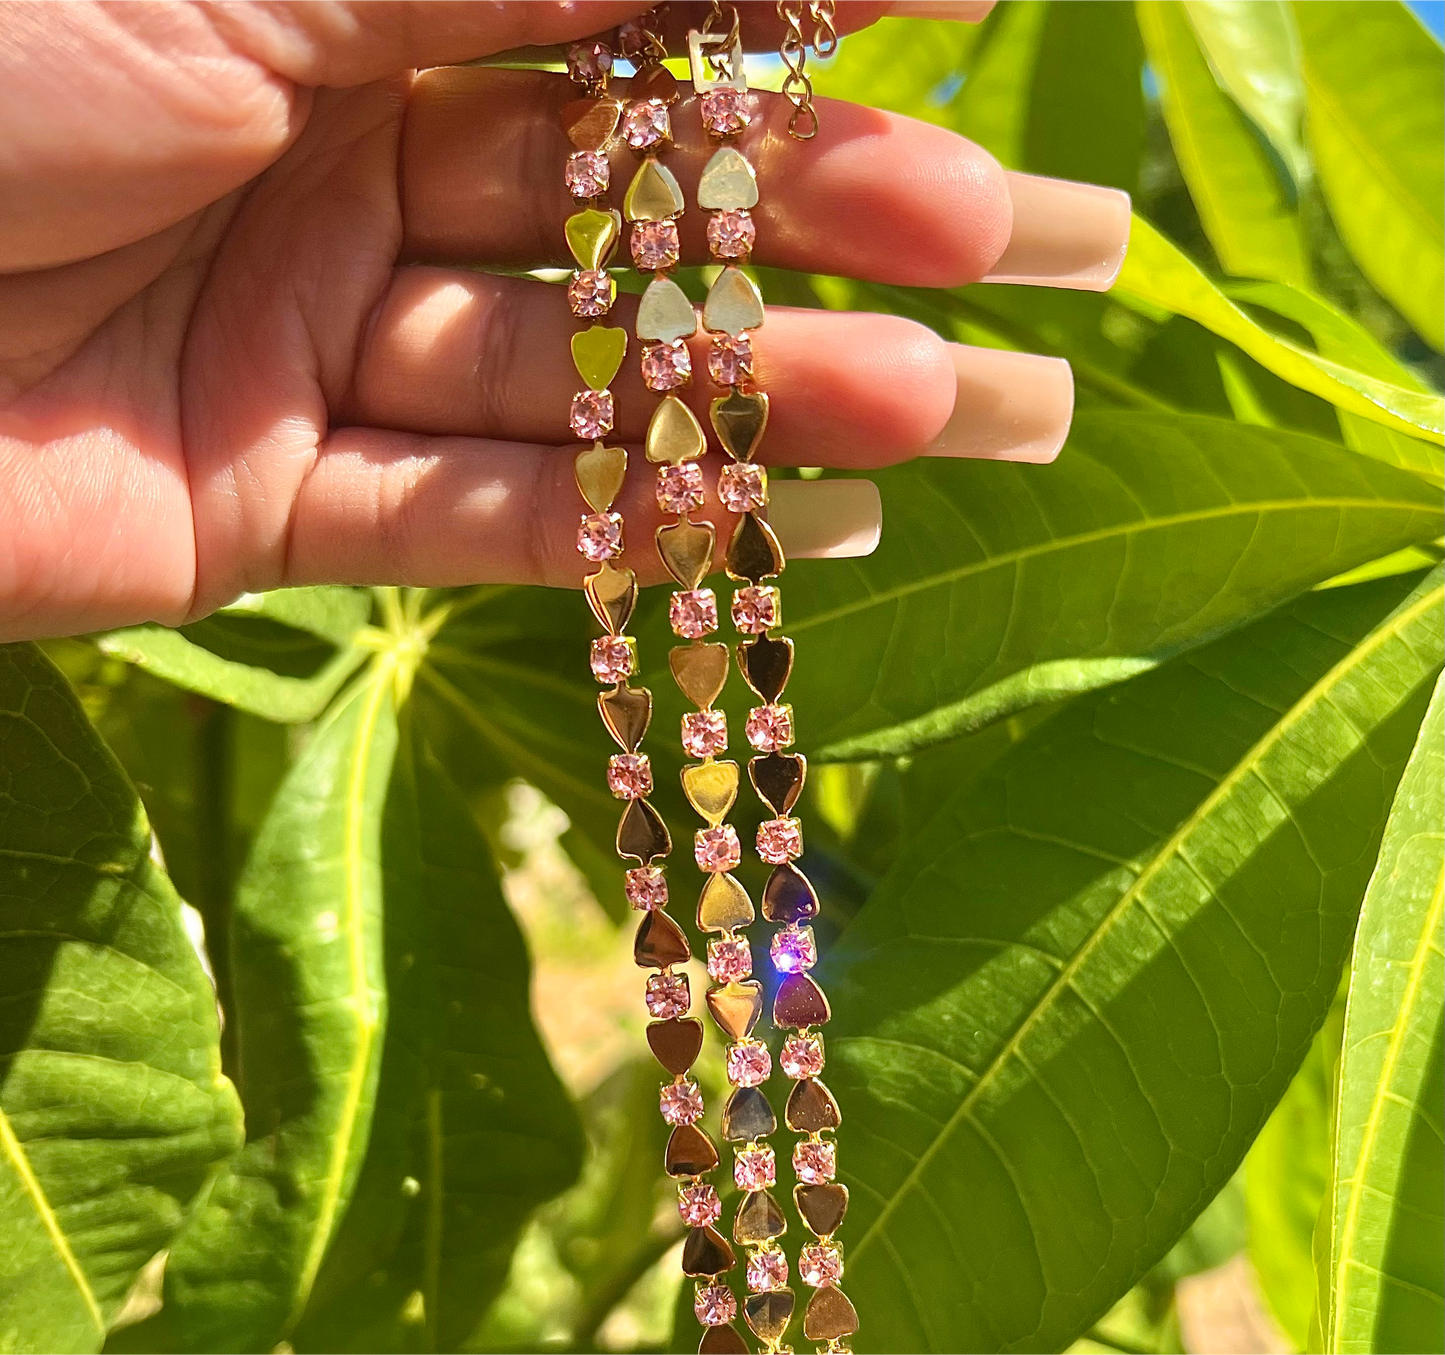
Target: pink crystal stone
{"x": 780, "y": 840}
{"x": 681, "y": 1102}
{"x": 679, "y": 488}
{"x": 770, "y": 727}
{"x": 716, "y": 849}
{"x": 704, "y": 732}
{"x": 646, "y": 887}
{"x": 767, "y": 1270}
{"x": 730, "y": 960}
{"x": 801, "y": 1056}
{"x": 748, "y": 1064}
{"x": 742, "y": 487}
{"x": 820, "y": 1264}
{"x": 794, "y": 950}
{"x": 588, "y": 174}
{"x": 629, "y": 775}
{"x": 590, "y": 292}
{"x": 755, "y": 1168}
{"x": 591, "y": 414}
{"x": 815, "y": 1160}
{"x": 666, "y": 364}
{"x": 730, "y": 361}
{"x": 693, "y": 613}
{"x": 600, "y": 536}
{"x": 589, "y": 62}
{"x": 666, "y": 995}
{"x": 613, "y": 657}
{"x": 654, "y": 245}
{"x": 756, "y": 609}
{"x": 725, "y": 112}
{"x": 714, "y": 1305}
{"x": 731, "y": 235}
{"x": 646, "y": 124}
{"x": 698, "y": 1205}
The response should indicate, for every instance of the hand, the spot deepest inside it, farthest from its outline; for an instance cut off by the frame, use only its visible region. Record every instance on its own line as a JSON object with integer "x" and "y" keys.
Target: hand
{"x": 238, "y": 352}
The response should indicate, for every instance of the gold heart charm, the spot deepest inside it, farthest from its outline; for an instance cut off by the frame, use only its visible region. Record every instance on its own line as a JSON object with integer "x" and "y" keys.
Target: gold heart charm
{"x": 612, "y": 594}
{"x": 665, "y": 312}
{"x": 700, "y": 671}
{"x": 733, "y": 304}
{"x": 592, "y": 236}
{"x": 739, "y": 419}
{"x": 727, "y": 183}
{"x": 597, "y": 353}
{"x": 736, "y": 1008}
{"x": 724, "y": 905}
{"x": 599, "y": 471}
{"x": 754, "y": 553}
{"x": 591, "y": 123}
{"x": 653, "y": 194}
{"x": 674, "y": 434}
{"x": 711, "y": 788}
{"x": 686, "y": 549}
{"x": 626, "y": 713}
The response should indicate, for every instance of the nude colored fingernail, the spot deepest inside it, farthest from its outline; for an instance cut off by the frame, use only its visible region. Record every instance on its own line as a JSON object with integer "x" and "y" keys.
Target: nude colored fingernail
{"x": 1065, "y": 234}
{"x": 825, "y": 519}
{"x": 1009, "y": 406}
{"x": 968, "y": 10}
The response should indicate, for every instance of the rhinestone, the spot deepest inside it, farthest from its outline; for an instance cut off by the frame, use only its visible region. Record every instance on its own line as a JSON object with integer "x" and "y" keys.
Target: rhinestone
{"x": 780, "y": 840}
{"x": 646, "y": 124}
{"x": 591, "y": 414}
{"x": 704, "y": 732}
{"x": 731, "y": 235}
{"x": 820, "y": 1263}
{"x": 693, "y": 613}
{"x": 666, "y": 995}
{"x": 698, "y": 1205}
{"x": 755, "y": 1168}
{"x": 802, "y": 1056}
{"x": 681, "y": 1102}
{"x": 589, "y": 62}
{"x": 770, "y": 727}
{"x": 654, "y": 245}
{"x": 794, "y": 950}
{"x": 600, "y": 536}
{"x": 715, "y": 1305}
{"x": 613, "y": 657}
{"x": 742, "y": 487}
{"x": 725, "y": 112}
{"x": 730, "y": 960}
{"x": 730, "y": 361}
{"x": 590, "y": 292}
{"x": 588, "y": 174}
{"x": 716, "y": 849}
{"x": 815, "y": 1161}
{"x": 629, "y": 775}
{"x": 679, "y": 488}
{"x": 749, "y": 1065}
{"x": 666, "y": 364}
{"x": 767, "y": 1270}
{"x": 646, "y": 887}
{"x": 756, "y": 609}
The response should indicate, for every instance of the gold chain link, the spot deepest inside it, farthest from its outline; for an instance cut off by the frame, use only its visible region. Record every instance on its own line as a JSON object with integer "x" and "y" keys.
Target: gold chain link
{"x": 718, "y": 14}
{"x": 797, "y": 87}
{"x": 825, "y": 32}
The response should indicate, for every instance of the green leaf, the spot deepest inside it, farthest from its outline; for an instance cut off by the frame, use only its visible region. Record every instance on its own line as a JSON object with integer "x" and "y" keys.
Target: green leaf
{"x": 113, "y": 1109}
{"x": 307, "y": 973}
{"x": 998, "y": 586}
{"x": 333, "y": 613}
{"x": 472, "y": 1130}
{"x": 1375, "y": 81}
{"x": 274, "y": 696}
{"x": 1253, "y": 52}
{"x": 908, "y": 66}
{"x": 1158, "y": 274}
{"x": 1386, "y": 1254}
{"x": 1066, "y": 1012}
{"x": 992, "y": 105}
{"x": 1245, "y": 207}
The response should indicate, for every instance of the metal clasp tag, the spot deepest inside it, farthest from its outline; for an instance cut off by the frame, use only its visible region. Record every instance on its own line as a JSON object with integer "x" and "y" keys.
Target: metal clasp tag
{"x": 706, "y": 52}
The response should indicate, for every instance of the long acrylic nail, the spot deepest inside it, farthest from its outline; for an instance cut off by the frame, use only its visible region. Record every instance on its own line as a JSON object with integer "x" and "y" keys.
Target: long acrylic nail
{"x": 825, "y": 519}
{"x": 1009, "y": 406}
{"x": 1065, "y": 234}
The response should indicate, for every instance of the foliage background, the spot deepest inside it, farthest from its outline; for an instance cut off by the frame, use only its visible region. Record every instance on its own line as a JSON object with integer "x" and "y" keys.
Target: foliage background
{"x": 1126, "y": 806}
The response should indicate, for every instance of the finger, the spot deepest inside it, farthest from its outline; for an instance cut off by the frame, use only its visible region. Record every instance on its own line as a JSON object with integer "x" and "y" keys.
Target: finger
{"x": 442, "y": 512}
{"x": 873, "y": 195}
{"x": 456, "y": 352}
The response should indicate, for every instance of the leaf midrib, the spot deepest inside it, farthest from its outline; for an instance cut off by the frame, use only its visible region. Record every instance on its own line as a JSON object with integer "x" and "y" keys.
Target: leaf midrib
{"x": 1062, "y": 543}
{"x": 1387, "y": 630}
